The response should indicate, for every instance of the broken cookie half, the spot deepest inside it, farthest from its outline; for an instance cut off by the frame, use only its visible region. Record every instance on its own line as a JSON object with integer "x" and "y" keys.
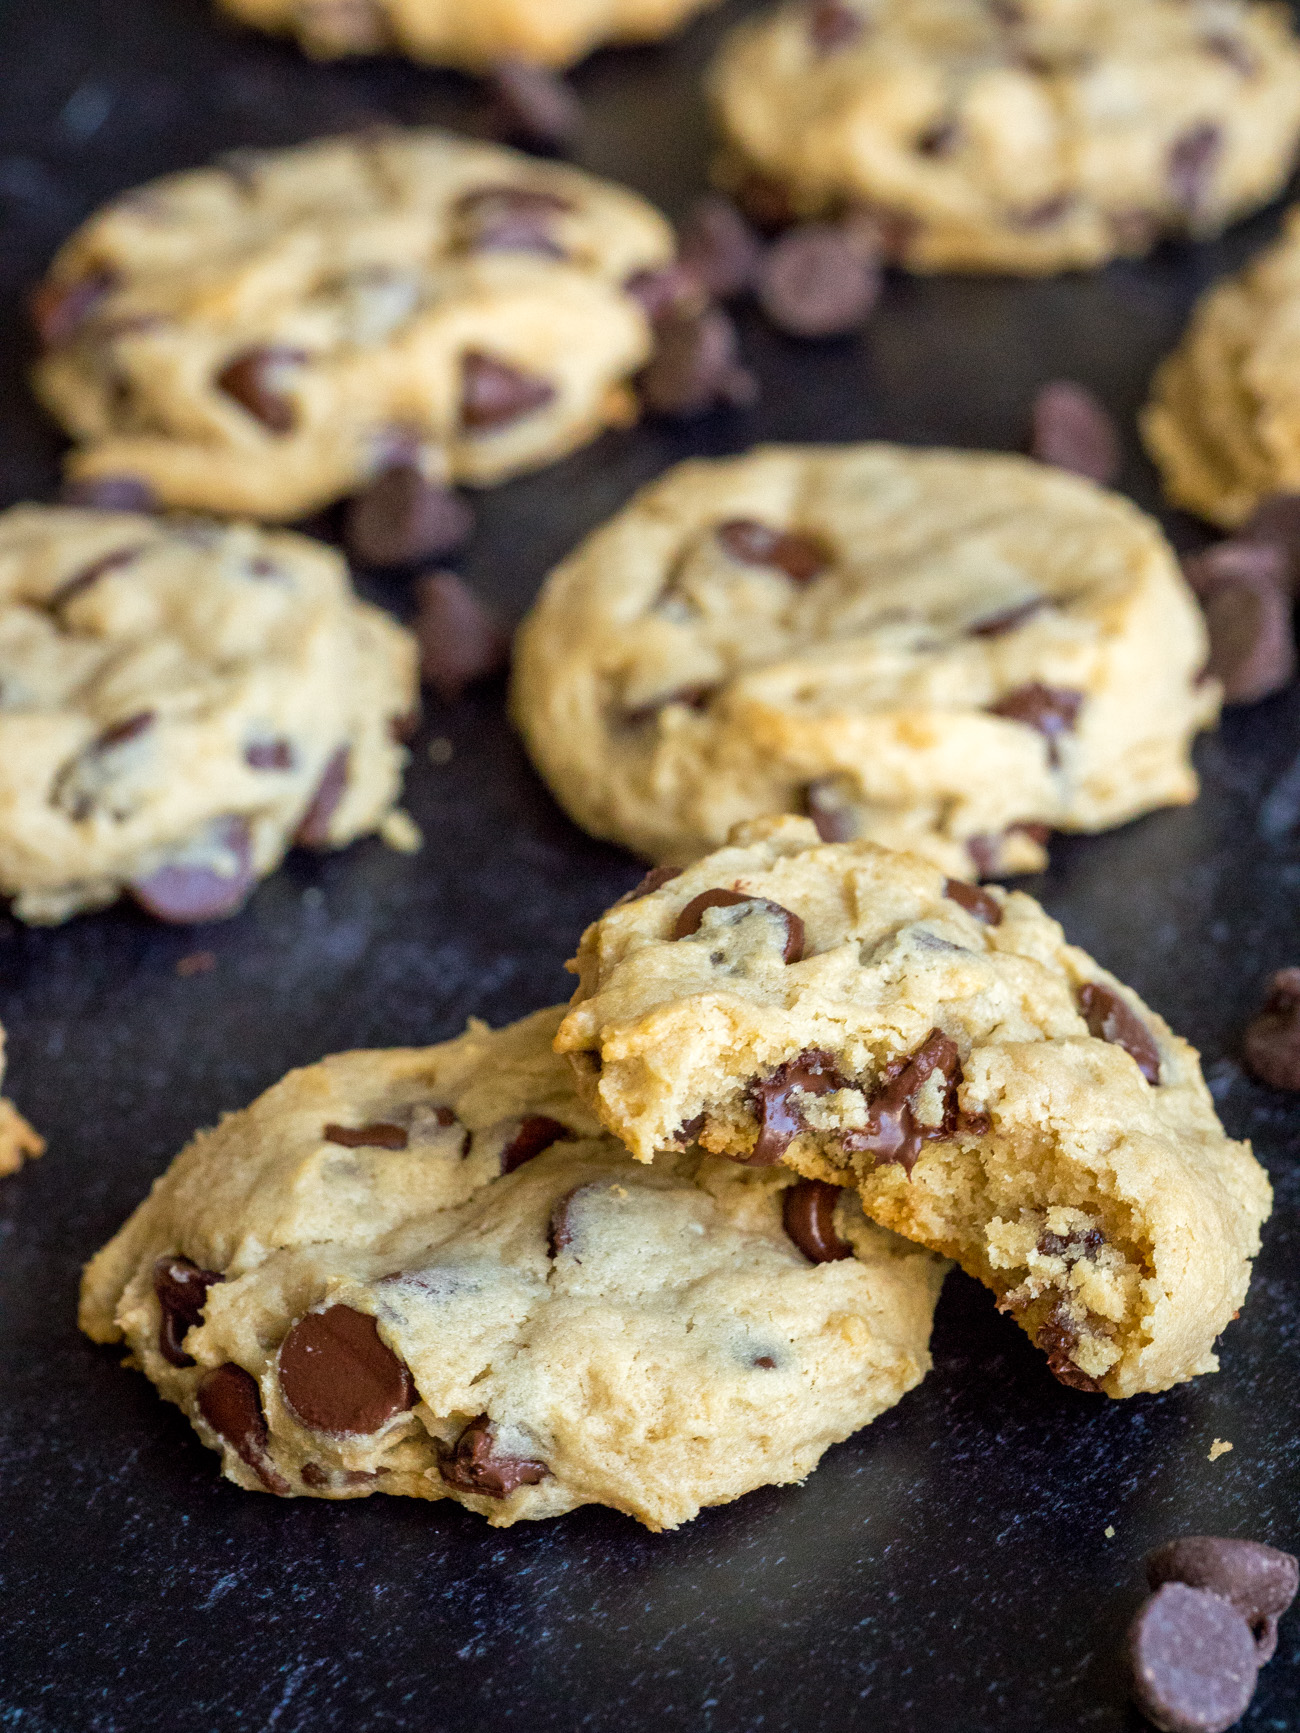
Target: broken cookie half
{"x": 990, "y": 1090}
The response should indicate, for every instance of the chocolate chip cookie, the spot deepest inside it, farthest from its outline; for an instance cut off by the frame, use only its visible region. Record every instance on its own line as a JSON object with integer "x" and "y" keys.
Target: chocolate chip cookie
{"x": 1012, "y": 135}
{"x": 266, "y": 336}
{"x": 431, "y": 1272}
{"x": 18, "y": 1142}
{"x": 991, "y": 1091}
{"x": 939, "y": 651}
{"x": 180, "y": 702}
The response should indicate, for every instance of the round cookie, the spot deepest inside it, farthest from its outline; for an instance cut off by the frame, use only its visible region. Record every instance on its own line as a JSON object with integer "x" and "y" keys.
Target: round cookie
{"x": 938, "y": 651}
{"x": 18, "y": 1142}
{"x": 1223, "y": 422}
{"x": 992, "y": 1091}
{"x": 430, "y": 1272}
{"x": 181, "y": 702}
{"x": 470, "y": 33}
{"x": 1012, "y": 135}
{"x": 267, "y": 336}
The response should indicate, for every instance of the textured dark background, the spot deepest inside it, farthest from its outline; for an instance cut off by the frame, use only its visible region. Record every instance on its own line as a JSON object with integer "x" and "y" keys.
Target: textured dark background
{"x": 949, "y": 1568}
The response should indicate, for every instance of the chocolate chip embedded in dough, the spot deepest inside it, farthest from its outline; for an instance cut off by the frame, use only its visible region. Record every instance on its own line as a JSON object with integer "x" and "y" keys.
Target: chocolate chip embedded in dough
{"x": 1110, "y": 1018}
{"x": 59, "y": 310}
{"x": 690, "y": 1129}
{"x": 808, "y": 1214}
{"x": 380, "y": 1135}
{"x": 1073, "y": 430}
{"x": 109, "y": 493}
{"x": 718, "y": 247}
{"x": 1085, "y": 1243}
{"x": 1193, "y": 160}
{"x": 461, "y": 641}
{"x": 91, "y": 574}
{"x": 337, "y": 1376}
{"x": 818, "y": 280}
{"x": 478, "y": 1466}
{"x": 1007, "y": 619}
{"x": 511, "y": 219}
{"x": 654, "y": 880}
{"x": 695, "y": 697}
{"x": 187, "y": 891}
{"x": 1260, "y": 1581}
{"x": 269, "y": 754}
{"x": 1233, "y": 50}
{"x": 1271, "y": 1047}
{"x": 833, "y": 25}
{"x": 831, "y": 814}
{"x": 892, "y": 1132}
{"x": 536, "y": 1133}
{"x": 495, "y": 394}
{"x": 230, "y": 1402}
{"x": 800, "y": 557}
{"x": 182, "y": 1291}
{"x": 939, "y": 140}
{"x": 695, "y": 366}
{"x": 688, "y": 921}
{"x": 533, "y": 106}
{"x": 314, "y": 826}
{"x": 1193, "y": 1659}
{"x": 1056, "y": 1336}
{"x": 975, "y": 901}
{"x": 813, "y": 1072}
{"x": 400, "y": 517}
{"x": 670, "y": 289}
{"x": 1052, "y": 710}
{"x": 559, "y": 1230}
{"x": 986, "y": 848}
{"x": 130, "y": 728}
{"x": 253, "y": 380}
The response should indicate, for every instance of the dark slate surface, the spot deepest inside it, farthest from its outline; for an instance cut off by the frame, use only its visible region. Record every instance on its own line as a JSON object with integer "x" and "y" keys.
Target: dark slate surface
{"x": 949, "y": 1568}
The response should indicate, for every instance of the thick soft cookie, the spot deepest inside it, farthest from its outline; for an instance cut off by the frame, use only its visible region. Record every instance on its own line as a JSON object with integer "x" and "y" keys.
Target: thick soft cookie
{"x": 1013, "y": 135}
{"x": 430, "y": 1272}
{"x": 1223, "y": 422}
{"x": 937, "y": 651}
{"x": 18, "y": 1142}
{"x": 181, "y": 702}
{"x": 270, "y": 335}
{"x": 990, "y": 1089}
{"x": 469, "y": 33}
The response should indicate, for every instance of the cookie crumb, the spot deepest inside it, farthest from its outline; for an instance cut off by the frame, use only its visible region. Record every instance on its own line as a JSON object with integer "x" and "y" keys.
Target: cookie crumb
{"x": 1109, "y": 1532}
{"x": 400, "y": 831}
{"x": 196, "y": 963}
{"x": 440, "y": 750}
{"x": 1219, "y": 1448}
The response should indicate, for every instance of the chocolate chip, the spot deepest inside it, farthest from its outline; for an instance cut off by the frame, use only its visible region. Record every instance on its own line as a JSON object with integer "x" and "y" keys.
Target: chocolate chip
{"x": 336, "y": 1375}
{"x": 653, "y": 881}
{"x": 1086, "y": 1242}
{"x": 1260, "y": 1581}
{"x": 1052, "y": 710}
{"x": 535, "y": 1134}
{"x": 229, "y": 1401}
{"x": 187, "y": 891}
{"x": 495, "y": 394}
{"x": 832, "y": 25}
{"x": 59, "y": 310}
{"x": 182, "y": 1290}
{"x": 110, "y": 493}
{"x": 477, "y": 1465}
{"x": 818, "y": 280}
{"x": 939, "y": 140}
{"x": 688, "y": 921}
{"x": 975, "y": 901}
{"x": 1272, "y": 1042}
{"x": 690, "y": 1129}
{"x": 892, "y": 1132}
{"x": 253, "y": 380}
{"x": 131, "y": 728}
{"x": 831, "y": 814}
{"x": 511, "y": 219}
{"x": 718, "y": 247}
{"x": 1073, "y": 430}
{"x": 380, "y": 1135}
{"x": 1109, "y": 1018}
{"x": 1193, "y": 159}
{"x": 765, "y": 1363}
{"x": 314, "y": 826}
{"x": 986, "y": 848}
{"x": 1008, "y": 619}
{"x": 1232, "y": 49}
{"x": 801, "y": 558}
{"x": 1275, "y": 519}
{"x": 669, "y": 289}
{"x": 694, "y": 697}
{"x": 779, "y": 1118}
{"x": 1056, "y": 1336}
{"x": 314, "y": 1475}
{"x": 400, "y": 517}
{"x": 808, "y": 1214}
{"x": 269, "y": 755}
{"x": 559, "y": 1231}
{"x": 460, "y": 640}
{"x": 91, "y": 574}
{"x": 1046, "y": 214}
{"x": 1193, "y": 1659}
{"x": 1246, "y": 599}
{"x": 533, "y": 106}
{"x": 695, "y": 366}
{"x": 1135, "y": 231}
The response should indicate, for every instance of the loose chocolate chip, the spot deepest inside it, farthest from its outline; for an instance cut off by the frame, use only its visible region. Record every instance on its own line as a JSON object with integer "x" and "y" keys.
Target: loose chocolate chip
{"x": 1260, "y": 1581}
{"x": 400, "y": 517}
{"x": 1248, "y": 618}
{"x": 1109, "y": 1018}
{"x": 535, "y": 1134}
{"x": 1193, "y": 159}
{"x": 1073, "y": 430}
{"x": 695, "y": 366}
{"x": 184, "y": 892}
{"x": 336, "y": 1375}
{"x": 688, "y": 921}
{"x": 818, "y": 280}
{"x": 975, "y": 901}
{"x": 253, "y": 380}
{"x": 1052, "y": 710}
{"x": 832, "y": 816}
{"x": 229, "y": 1401}
{"x": 1233, "y": 50}
{"x": 998, "y": 625}
{"x": 663, "y": 292}
{"x": 832, "y": 25}
{"x": 182, "y": 1290}
{"x": 511, "y": 219}
{"x": 533, "y": 106}
{"x": 269, "y": 755}
{"x": 653, "y": 881}
{"x": 110, "y": 493}
{"x": 1056, "y": 1336}
{"x": 1272, "y": 1042}
{"x": 1194, "y": 1662}
{"x": 381, "y": 1135}
{"x": 800, "y": 557}
{"x": 59, "y": 310}
{"x": 460, "y": 640}
{"x": 477, "y": 1465}
{"x": 718, "y": 247}
{"x": 779, "y": 1117}
{"x": 892, "y": 1132}
{"x": 1275, "y": 519}
{"x": 314, "y": 826}
{"x": 495, "y": 394}
{"x": 808, "y": 1213}
{"x": 91, "y": 574}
